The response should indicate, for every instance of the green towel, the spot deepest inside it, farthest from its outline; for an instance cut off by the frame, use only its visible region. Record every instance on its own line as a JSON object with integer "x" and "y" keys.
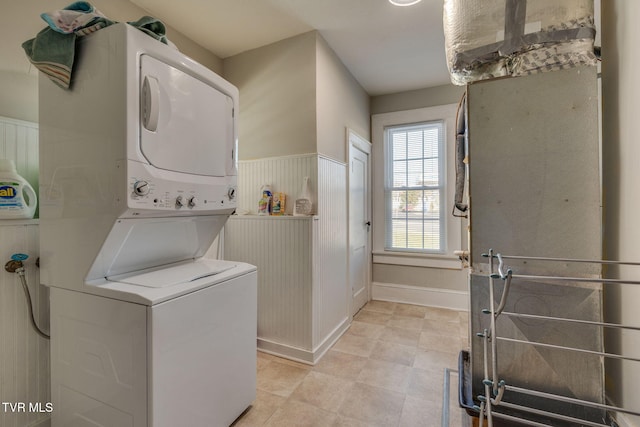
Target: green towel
{"x": 52, "y": 53}
{"x": 152, "y": 27}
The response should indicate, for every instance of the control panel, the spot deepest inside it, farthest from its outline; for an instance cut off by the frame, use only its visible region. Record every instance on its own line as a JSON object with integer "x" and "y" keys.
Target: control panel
{"x": 157, "y": 193}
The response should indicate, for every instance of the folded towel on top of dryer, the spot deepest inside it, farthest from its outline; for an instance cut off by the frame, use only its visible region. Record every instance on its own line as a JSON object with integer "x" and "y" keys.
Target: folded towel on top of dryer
{"x": 154, "y": 28}
{"x": 76, "y": 16}
{"x": 52, "y": 51}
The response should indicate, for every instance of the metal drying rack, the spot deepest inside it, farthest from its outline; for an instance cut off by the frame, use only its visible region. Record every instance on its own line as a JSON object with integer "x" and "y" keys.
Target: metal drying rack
{"x": 497, "y": 389}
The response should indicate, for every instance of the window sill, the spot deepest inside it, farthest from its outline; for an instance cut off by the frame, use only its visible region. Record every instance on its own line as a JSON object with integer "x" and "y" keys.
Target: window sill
{"x": 448, "y": 262}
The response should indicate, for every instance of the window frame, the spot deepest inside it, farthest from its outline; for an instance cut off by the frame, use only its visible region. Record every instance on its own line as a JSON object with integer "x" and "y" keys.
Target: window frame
{"x": 452, "y": 225}
{"x": 389, "y": 184}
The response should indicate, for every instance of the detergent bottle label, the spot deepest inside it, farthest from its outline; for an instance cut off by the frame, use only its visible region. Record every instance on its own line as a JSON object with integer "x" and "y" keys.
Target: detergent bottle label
{"x": 10, "y": 198}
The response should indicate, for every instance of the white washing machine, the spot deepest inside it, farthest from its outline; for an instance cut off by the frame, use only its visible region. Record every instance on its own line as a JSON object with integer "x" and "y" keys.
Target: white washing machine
{"x": 137, "y": 179}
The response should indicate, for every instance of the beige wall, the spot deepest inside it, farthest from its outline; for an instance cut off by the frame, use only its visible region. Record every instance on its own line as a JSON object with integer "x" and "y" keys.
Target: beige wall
{"x": 20, "y": 21}
{"x": 277, "y": 97}
{"x": 429, "y": 97}
{"x": 439, "y": 278}
{"x": 341, "y": 103}
{"x": 19, "y": 99}
{"x": 621, "y": 156}
{"x": 123, "y": 10}
{"x": 296, "y": 97}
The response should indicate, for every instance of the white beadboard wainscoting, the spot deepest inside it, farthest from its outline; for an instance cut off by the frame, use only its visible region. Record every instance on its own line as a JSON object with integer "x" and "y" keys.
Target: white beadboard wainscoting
{"x": 296, "y": 306}
{"x": 283, "y": 174}
{"x": 19, "y": 142}
{"x": 333, "y": 241}
{"x": 303, "y": 293}
{"x": 24, "y": 355}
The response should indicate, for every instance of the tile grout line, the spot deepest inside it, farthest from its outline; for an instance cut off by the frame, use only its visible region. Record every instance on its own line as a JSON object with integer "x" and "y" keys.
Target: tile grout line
{"x": 374, "y": 355}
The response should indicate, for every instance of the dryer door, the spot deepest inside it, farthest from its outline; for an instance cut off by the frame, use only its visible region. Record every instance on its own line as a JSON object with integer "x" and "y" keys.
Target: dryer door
{"x": 186, "y": 125}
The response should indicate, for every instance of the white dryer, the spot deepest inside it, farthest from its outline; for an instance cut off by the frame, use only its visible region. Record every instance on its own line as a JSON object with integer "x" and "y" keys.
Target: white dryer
{"x": 137, "y": 178}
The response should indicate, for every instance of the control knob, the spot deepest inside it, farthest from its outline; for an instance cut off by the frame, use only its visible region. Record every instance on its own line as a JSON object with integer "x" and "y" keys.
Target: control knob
{"x": 179, "y": 201}
{"x": 231, "y": 193}
{"x": 141, "y": 188}
{"x": 193, "y": 201}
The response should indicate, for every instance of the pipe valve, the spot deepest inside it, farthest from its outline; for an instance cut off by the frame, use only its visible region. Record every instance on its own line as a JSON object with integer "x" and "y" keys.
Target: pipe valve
{"x": 15, "y": 263}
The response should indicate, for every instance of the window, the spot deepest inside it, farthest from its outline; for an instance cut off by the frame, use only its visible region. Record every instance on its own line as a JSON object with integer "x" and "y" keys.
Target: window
{"x": 414, "y": 188}
{"x": 413, "y": 180}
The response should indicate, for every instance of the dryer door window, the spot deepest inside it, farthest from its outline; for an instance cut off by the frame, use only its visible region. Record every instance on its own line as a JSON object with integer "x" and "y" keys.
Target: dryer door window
{"x": 186, "y": 125}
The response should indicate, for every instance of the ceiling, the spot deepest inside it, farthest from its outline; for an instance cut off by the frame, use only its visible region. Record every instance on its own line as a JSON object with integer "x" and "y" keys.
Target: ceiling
{"x": 388, "y": 49}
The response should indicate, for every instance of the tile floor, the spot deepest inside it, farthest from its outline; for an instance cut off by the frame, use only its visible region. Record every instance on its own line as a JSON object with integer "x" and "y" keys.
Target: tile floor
{"x": 387, "y": 370}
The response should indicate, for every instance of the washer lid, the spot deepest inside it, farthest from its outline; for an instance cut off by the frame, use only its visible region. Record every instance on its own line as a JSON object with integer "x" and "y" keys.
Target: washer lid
{"x": 174, "y": 275}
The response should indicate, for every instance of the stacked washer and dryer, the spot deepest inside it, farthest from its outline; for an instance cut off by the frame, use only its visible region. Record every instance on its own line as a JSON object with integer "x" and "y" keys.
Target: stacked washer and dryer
{"x": 137, "y": 178}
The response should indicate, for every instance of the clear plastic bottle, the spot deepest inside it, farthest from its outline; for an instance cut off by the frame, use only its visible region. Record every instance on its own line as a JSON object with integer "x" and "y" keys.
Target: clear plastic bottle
{"x": 303, "y": 205}
{"x": 17, "y": 198}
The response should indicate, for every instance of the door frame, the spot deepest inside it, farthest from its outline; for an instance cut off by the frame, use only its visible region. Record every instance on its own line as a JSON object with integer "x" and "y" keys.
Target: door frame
{"x": 357, "y": 142}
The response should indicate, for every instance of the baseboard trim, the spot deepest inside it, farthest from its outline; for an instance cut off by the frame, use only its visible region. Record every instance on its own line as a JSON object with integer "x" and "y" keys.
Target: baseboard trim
{"x": 430, "y": 297}
{"x": 286, "y": 351}
{"x": 331, "y": 339}
{"x": 302, "y": 355}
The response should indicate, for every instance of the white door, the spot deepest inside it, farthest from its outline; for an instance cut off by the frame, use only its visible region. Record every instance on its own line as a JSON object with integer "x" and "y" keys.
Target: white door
{"x": 186, "y": 123}
{"x": 359, "y": 221}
